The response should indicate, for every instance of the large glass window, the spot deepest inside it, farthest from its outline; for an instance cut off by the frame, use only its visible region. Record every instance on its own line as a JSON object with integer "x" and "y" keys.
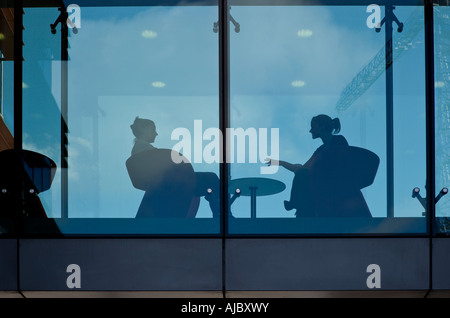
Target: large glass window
{"x": 353, "y": 170}
{"x": 324, "y": 105}
{"x": 115, "y": 96}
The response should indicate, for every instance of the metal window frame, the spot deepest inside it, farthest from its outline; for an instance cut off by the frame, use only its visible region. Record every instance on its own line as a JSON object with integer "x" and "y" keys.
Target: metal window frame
{"x": 224, "y": 87}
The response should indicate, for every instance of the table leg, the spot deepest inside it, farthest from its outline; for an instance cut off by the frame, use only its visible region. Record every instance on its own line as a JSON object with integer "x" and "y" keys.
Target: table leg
{"x": 253, "y": 202}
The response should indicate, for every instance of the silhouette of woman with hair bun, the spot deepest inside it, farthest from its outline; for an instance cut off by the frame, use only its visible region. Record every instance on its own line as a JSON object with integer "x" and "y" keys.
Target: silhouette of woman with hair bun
{"x": 171, "y": 189}
{"x": 327, "y": 185}
{"x": 145, "y": 132}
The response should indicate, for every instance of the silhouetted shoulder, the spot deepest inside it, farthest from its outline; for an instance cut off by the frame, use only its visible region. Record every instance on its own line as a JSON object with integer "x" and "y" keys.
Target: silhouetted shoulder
{"x": 140, "y": 146}
{"x": 339, "y": 140}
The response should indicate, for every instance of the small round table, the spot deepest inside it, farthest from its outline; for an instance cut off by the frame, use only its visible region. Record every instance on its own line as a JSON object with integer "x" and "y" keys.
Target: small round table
{"x": 254, "y": 187}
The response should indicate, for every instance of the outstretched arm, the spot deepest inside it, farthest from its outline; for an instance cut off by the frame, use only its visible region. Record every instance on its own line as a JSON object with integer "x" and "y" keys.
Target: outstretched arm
{"x": 284, "y": 164}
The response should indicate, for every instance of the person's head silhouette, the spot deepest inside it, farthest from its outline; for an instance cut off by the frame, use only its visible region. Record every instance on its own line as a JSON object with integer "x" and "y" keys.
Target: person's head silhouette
{"x": 322, "y": 126}
{"x": 144, "y": 129}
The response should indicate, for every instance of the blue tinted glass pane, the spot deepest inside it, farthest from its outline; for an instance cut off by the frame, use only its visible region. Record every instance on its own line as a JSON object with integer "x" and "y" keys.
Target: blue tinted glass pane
{"x": 442, "y": 95}
{"x": 137, "y": 80}
{"x": 42, "y": 102}
{"x": 7, "y": 94}
{"x": 290, "y": 64}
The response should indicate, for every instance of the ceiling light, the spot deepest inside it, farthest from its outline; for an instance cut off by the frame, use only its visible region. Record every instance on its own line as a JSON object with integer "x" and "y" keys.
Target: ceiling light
{"x": 298, "y": 83}
{"x": 158, "y": 84}
{"x": 149, "y": 34}
{"x": 304, "y": 33}
{"x": 439, "y": 84}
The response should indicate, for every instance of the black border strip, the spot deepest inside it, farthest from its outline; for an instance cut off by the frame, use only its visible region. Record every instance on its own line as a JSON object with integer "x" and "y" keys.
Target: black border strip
{"x": 430, "y": 130}
{"x": 18, "y": 79}
{"x": 224, "y": 98}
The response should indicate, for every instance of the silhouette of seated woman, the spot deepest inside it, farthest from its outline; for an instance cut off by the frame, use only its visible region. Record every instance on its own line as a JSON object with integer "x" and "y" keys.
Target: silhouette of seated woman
{"x": 329, "y": 184}
{"x": 171, "y": 189}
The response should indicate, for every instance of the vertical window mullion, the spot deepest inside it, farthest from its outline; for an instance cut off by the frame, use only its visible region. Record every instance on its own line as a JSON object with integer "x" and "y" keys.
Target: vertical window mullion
{"x": 224, "y": 96}
{"x": 430, "y": 114}
{"x": 18, "y": 74}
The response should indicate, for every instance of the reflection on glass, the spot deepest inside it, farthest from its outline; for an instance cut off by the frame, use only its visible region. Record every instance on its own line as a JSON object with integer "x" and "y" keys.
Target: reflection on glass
{"x": 156, "y": 63}
{"x": 6, "y": 74}
{"x": 442, "y": 96}
{"x": 161, "y": 64}
{"x": 329, "y": 183}
{"x": 327, "y": 60}
{"x": 24, "y": 171}
{"x": 42, "y": 97}
{"x": 7, "y": 94}
{"x": 172, "y": 187}
{"x": 6, "y": 115}
{"x": 25, "y": 175}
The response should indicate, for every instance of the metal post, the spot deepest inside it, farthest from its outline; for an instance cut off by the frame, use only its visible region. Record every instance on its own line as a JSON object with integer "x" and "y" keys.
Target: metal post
{"x": 388, "y": 19}
{"x": 224, "y": 123}
{"x": 18, "y": 109}
{"x": 18, "y": 73}
{"x": 253, "y": 202}
{"x": 64, "y": 113}
{"x": 430, "y": 114}
{"x": 224, "y": 97}
{"x": 389, "y": 112}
